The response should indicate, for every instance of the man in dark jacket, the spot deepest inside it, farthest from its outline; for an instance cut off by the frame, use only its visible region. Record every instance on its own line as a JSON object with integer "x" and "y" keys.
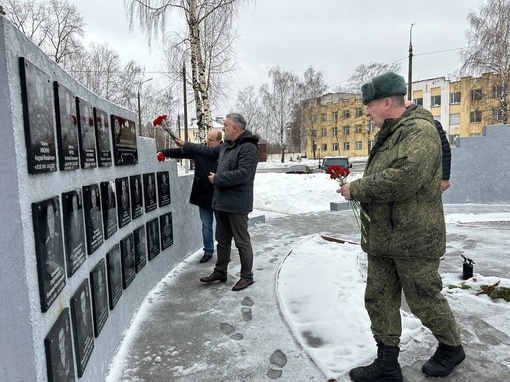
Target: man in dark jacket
{"x": 202, "y": 190}
{"x": 404, "y": 234}
{"x": 233, "y": 195}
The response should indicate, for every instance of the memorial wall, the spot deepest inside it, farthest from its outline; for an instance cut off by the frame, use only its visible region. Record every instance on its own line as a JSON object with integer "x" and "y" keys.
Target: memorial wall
{"x": 90, "y": 220}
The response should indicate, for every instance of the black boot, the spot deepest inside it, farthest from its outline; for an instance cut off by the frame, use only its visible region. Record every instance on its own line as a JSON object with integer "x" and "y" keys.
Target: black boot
{"x": 444, "y": 360}
{"x": 384, "y": 369}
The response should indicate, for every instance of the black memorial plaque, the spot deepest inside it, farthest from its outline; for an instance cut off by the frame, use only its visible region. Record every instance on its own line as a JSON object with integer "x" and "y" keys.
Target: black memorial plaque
{"x": 167, "y": 234}
{"x": 123, "y": 202}
{"x": 99, "y": 296}
{"x": 87, "y": 134}
{"x": 104, "y": 151}
{"x": 114, "y": 265}
{"x": 163, "y": 188}
{"x": 49, "y": 250}
{"x": 149, "y": 192}
{"x": 37, "y": 97}
{"x": 153, "y": 248}
{"x": 127, "y": 252}
{"x": 140, "y": 248}
{"x": 81, "y": 315}
{"x": 59, "y": 351}
{"x": 74, "y": 230}
{"x": 93, "y": 217}
{"x": 136, "y": 196}
{"x": 67, "y": 128}
{"x": 109, "y": 205}
{"x": 125, "y": 150}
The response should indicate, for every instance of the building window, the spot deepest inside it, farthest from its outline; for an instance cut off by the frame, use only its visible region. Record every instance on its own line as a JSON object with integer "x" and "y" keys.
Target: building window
{"x": 370, "y": 144}
{"x": 314, "y": 133}
{"x": 324, "y": 132}
{"x": 371, "y": 127}
{"x": 476, "y": 95}
{"x": 475, "y": 116}
{"x": 497, "y": 114}
{"x": 359, "y": 145}
{"x": 347, "y": 146}
{"x": 314, "y": 118}
{"x": 455, "y": 98}
{"x": 359, "y": 129}
{"x": 324, "y": 117}
{"x": 435, "y": 100}
{"x": 347, "y": 114}
{"x": 334, "y": 131}
{"x": 418, "y": 101}
{"x": 324, "y": 147}
{"x": 335, "y": 146}
{"x": 453, "y": 139}
{"x": 335, "y": 116}
{"x": 346, "y": 130}
{"x": 359, "y": 112}
{"x": 496, "y": 91}
{"x": 455, "y": 119}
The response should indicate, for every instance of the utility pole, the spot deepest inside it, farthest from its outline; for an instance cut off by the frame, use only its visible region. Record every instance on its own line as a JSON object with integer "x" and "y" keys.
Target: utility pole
{"x": 185, "y": 99}
{"x": 410, "y": 72}
{"x": 140, "y": 108}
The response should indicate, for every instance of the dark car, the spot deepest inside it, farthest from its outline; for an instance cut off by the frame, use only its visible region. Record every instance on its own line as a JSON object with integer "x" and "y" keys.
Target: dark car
{"x": 299, "y": 169}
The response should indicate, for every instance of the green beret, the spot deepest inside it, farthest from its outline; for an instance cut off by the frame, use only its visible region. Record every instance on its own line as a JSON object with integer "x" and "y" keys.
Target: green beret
{"x": 385, "y": 85}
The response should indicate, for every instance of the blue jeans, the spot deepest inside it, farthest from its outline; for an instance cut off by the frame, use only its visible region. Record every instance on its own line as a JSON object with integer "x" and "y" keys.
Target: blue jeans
{"x": 207, "y": 217}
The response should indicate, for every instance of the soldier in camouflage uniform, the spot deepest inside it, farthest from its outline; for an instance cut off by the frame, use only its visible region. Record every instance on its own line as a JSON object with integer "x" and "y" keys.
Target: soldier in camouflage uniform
{"x": 405, "y": 233}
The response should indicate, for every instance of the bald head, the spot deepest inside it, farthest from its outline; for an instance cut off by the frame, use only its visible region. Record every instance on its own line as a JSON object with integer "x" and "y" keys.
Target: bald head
{"x": 214, "y": 137}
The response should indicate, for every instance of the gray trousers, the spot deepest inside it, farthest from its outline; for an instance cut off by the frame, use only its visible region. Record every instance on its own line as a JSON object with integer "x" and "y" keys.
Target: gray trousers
{"x": 420, "y": 280}
{"x": 235, "y": 226}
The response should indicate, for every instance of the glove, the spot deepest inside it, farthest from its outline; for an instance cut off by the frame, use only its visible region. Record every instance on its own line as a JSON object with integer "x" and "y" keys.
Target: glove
{"x": 160, "y": 156}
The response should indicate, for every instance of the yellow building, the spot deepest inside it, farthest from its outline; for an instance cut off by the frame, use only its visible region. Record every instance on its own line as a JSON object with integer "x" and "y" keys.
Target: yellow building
{"x": 335, "y": 123}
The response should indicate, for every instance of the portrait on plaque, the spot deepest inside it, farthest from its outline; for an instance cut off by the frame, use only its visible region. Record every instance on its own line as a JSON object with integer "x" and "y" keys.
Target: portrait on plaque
{"x": 163, "y": 188}
{"x": 59, "y": 351}
{"x": 81, "y": 315}
{"x": 167, "y": 235}
{"x": 49, "y": 250}
{"x": 136, "y": 196}
{"x": 125, "y": 149}
{"x": 127, "y": 252}
{"x": 99, "y": 296}
{"x": 140, "y": 248}
{"x": 87, "y": 134}
{"x": 153, "y": 248}
{"x": 109, "y": 205}
{"x": 123, "y": 202}
{"x": 93, "y": 217}
{"x": 114, "y": 266}
{"x": 37, "y": 97}
{"x": 104, "y": 151}
{"x": 67, "y": 128}
{"x": 74, "y": 230}
{"x": 149, "y": 192}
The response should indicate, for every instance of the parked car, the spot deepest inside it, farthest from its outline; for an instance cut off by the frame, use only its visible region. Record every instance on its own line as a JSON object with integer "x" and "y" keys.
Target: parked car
{"x": 342, "y": 161}
{"x": 299, "y": 169}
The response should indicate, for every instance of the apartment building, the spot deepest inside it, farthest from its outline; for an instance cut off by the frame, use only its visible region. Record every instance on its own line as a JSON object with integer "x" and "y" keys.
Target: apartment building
{"x": 335, "y": 123}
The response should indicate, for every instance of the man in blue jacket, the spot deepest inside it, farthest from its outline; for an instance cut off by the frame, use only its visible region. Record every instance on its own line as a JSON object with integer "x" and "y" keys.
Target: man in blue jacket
{"x": 233, "y": 195}
{"x": 202, "y": 190}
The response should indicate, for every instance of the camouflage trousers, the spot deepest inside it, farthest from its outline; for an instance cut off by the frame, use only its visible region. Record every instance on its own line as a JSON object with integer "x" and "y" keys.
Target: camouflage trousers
{"x": 421, "y": 283}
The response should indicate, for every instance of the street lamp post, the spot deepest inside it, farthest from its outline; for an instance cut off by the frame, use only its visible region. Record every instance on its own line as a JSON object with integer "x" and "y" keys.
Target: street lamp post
{"x": 139, "y": 107}
{"x": 410, "y": 71}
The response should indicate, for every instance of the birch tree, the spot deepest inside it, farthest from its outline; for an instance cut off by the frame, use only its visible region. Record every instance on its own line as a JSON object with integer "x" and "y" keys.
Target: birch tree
{"x": 249, "y": 105}
{"x": 489, "y": 51}
{"x": 364, "y": 73}
{"x": 206, "y": 20}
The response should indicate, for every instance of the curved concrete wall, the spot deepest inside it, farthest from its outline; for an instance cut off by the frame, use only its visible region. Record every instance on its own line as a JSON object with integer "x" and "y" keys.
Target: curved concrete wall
{"x": 24, "y": 325}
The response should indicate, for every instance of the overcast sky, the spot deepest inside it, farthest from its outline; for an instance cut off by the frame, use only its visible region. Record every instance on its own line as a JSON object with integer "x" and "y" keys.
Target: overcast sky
{"x": 331, "y": 35}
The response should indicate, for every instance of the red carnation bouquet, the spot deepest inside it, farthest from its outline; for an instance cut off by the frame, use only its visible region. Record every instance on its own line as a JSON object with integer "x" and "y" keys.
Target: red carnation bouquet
{"x": 340, "y": 174}
{"x": 163, "y": 121}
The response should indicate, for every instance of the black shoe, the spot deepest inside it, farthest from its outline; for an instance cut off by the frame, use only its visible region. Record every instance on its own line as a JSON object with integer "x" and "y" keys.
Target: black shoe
{"x": 384, "y": 369}
{"x": 213, "y": 277}
{"x": 242, "y": 284}
{"x": 205, "y": 258}
{"x": 444, "y": 360}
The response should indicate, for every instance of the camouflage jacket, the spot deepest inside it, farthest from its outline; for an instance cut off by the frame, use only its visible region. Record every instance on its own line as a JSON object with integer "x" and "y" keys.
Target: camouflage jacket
{"x": 401, "y": 189}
